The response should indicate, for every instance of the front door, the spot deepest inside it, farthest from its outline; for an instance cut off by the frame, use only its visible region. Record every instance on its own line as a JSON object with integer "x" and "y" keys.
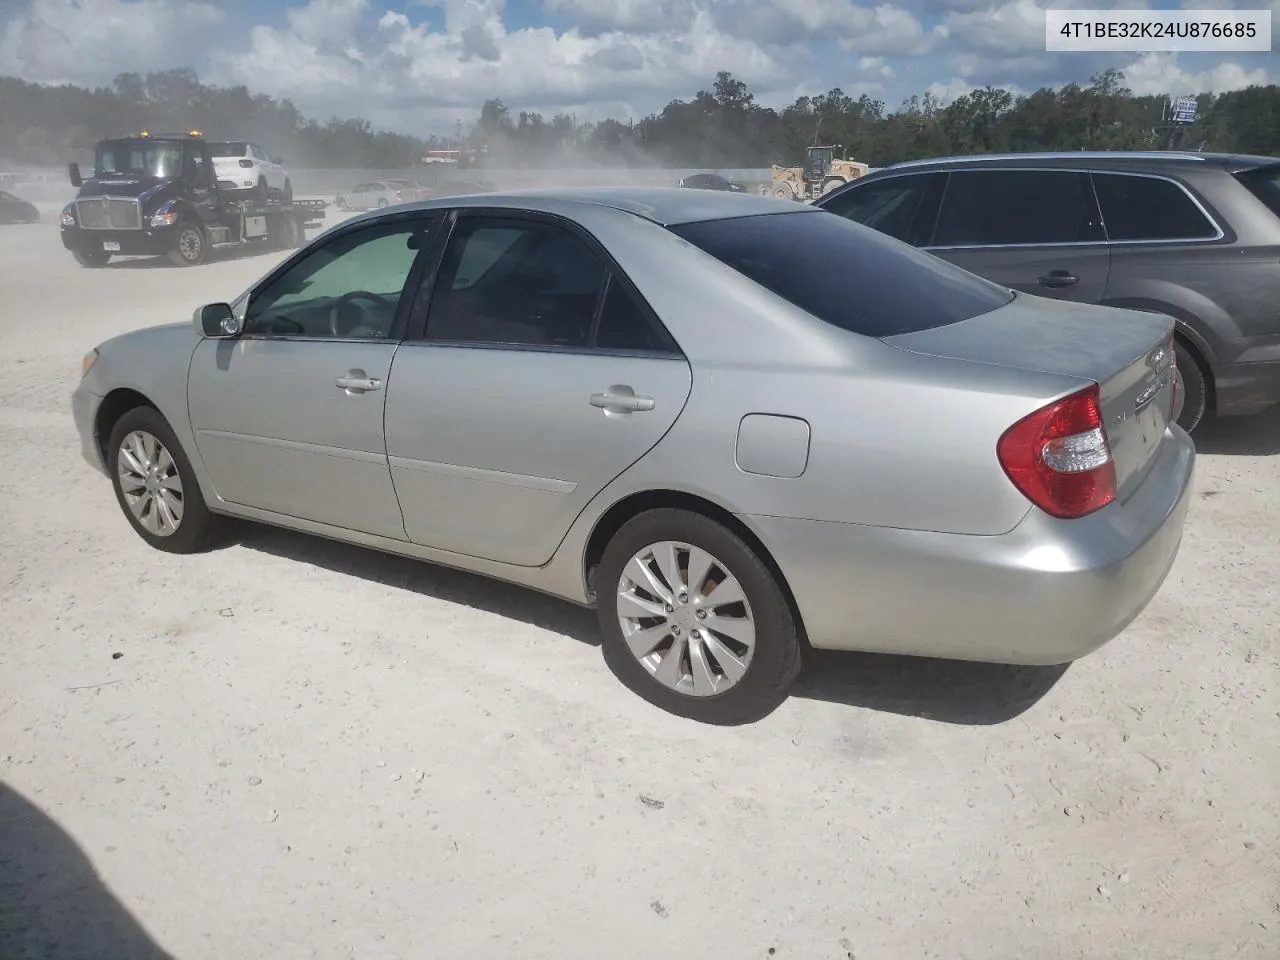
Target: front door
{"x": 541, "y": 376}
{"x": 288, "y": 417}
{"x": 1036, "y": 231}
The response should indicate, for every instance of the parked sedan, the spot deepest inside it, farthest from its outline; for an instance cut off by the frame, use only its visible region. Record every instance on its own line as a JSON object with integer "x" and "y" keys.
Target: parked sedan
{"x": 732, "y": 424}
{"x": 16, "y": 210}
{"x": 378, "y": 194}
{"x": 712, "y": 181}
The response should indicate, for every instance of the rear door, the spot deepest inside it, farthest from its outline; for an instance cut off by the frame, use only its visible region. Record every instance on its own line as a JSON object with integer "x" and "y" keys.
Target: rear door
{"x": 1037, "y": 231}
{"x": 539, "y": 377}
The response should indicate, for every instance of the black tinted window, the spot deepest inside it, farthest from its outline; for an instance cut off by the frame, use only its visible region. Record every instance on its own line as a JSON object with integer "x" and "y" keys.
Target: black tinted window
{"x": 1144, "y": 208}
{"x": 233, "y": 149}
{"x": 624, "y": 324}
{"x": 890, "y": 206}
{"x": 986, "y": 207}
{"x": 846, "y": 274}
{"x": 1265, "y": 185}
{"x": 516, "y": 281}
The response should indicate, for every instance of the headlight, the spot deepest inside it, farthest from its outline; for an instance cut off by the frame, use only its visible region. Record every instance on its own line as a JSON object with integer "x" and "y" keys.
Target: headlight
{"x": 68, "y": 217}
{"x": 164, "y": 218}
{"x": 87, "y": 363}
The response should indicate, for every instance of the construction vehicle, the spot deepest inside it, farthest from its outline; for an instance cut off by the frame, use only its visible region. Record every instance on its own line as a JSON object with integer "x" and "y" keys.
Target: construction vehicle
{"x": 821, "y": 173}
{"x": 154, "y": 195}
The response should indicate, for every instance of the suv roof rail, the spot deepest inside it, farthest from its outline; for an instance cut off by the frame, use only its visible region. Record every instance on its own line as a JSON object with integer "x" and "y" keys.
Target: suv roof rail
{"x": 1061, "y": 155}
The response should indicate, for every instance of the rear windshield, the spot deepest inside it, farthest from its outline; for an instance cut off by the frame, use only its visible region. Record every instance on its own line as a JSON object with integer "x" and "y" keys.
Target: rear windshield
{"x": 846, "y": 274}
{"x": 234, "y": 148}
{"x": 1265, "y": 185}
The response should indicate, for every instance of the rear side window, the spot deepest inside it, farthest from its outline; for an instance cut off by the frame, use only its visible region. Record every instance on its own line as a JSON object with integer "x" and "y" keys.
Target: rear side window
{"x": 1008, "y": 207}
{"x": 846, "y": 274}
{"x": 1265, "y": 185}
{"x": 903, "y": 207}
{"x": 1147, "y": 208}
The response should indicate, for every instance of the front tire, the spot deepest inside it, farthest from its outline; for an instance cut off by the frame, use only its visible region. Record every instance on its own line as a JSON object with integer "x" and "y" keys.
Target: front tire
{"x": 91, "y": 258}
{"x": 156, "y": 486}
{"x": 288, "y": 191}
{"x": 1193, "y": 389}
{"x": 693, "y": 621}
{"x": 189, "y": 246}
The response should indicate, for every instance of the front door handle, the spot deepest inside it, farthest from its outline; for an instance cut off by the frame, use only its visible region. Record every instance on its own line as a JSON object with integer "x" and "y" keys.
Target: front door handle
{"x": 621, "y": 400}
{"x": 356, "y": 382}
{"x": 1057, "y": 278}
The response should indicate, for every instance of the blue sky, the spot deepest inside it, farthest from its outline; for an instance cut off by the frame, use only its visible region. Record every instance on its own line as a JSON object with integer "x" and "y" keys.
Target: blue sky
{"x": 417, "y": 65}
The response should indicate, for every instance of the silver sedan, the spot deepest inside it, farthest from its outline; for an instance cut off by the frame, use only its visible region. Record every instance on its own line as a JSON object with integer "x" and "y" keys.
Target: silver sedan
{"x": 736, "y": 426}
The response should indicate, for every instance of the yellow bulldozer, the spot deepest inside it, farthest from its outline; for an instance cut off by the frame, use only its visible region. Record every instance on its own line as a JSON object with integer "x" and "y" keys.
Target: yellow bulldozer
{"x": 821, "y": 173}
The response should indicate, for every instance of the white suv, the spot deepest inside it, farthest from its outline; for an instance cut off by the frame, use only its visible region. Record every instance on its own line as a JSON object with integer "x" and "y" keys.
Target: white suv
{"x": 247, "y": 166}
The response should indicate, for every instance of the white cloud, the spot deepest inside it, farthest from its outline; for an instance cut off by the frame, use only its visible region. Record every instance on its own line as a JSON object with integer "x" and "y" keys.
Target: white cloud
{"x": 1160, "y": 73}
{"x": 416, "y": 65}
{"x": 90, "y": 41}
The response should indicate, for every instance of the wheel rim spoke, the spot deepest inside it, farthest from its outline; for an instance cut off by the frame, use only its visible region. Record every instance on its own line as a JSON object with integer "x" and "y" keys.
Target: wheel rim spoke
{"x": 693, "y": 642}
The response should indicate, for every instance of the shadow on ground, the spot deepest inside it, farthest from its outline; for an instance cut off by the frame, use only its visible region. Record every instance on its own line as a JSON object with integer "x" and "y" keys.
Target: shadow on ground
{"x": 53, "y": 904}
{"x": 247, "y": 252}
{"x": 1256, "y": 436}
{"x": 947, "y": 691}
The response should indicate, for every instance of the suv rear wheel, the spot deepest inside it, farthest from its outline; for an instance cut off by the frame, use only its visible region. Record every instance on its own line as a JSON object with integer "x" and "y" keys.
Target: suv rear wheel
{"x": 1193, "y": 390}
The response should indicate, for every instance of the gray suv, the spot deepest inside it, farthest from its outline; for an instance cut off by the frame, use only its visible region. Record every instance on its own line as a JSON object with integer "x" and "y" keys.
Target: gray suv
{"x": 1192, "y": 235}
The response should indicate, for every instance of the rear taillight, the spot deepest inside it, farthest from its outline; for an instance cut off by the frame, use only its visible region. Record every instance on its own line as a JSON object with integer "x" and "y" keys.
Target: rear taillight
{"x": 247, "y": 164}
{"x": 1060, "y": 458}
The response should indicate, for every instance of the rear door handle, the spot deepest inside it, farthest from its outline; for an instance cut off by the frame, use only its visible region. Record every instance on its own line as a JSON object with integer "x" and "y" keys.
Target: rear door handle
{"x": 358, "y": 384}
{"x": 1057, "y": 278}
{"x": 622, "y": 402}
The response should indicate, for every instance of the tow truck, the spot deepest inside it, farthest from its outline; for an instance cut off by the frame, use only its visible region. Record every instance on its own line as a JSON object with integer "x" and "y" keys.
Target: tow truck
{"x": 158, "y": 195}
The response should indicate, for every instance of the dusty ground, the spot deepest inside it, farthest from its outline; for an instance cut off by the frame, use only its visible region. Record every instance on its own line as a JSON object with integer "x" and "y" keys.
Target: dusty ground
{"x": 291, "y": 749}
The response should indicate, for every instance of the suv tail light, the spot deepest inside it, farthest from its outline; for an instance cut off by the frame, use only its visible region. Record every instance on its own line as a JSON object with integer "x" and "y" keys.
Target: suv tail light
{"x": 1060, "y": 458}
{"x": 246, "y": 163}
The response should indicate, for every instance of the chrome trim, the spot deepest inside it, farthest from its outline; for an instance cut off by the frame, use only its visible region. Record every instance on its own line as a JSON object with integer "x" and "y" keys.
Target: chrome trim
{"x": 1219, "y": 233}
{"x": 104, "y": 205}
{"x": 1051, "y": 155}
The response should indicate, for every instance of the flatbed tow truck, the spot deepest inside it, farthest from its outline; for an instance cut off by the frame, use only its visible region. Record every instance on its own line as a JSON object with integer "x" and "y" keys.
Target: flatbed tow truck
{"x": 158, "y": 195}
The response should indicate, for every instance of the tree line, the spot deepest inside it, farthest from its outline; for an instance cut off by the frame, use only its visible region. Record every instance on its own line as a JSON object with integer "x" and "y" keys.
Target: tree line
{"x": 722, "y": 127}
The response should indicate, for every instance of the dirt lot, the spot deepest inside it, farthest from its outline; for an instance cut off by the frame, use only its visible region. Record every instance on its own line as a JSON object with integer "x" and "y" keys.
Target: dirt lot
{"x": 293, "y": 749}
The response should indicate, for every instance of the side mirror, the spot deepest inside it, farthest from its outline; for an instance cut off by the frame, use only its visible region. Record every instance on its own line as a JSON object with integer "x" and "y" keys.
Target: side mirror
{"x": 216, "y": 321}
{"x": 74, "y": 170}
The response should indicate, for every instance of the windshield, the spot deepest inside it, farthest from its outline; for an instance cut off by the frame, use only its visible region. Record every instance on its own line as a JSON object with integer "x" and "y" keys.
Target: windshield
{"x": 138, "y": 158}
{"x": 234, "y": 148}
{"x": 846, "y": 274}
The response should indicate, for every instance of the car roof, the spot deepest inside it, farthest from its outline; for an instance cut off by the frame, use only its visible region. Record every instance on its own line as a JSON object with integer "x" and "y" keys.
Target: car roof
{"x": 666, "y": 206}
{"x": 1120, "y": 159}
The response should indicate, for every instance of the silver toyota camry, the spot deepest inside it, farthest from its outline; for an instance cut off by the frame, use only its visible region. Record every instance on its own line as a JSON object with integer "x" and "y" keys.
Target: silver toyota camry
{"x": 736, "y": 426}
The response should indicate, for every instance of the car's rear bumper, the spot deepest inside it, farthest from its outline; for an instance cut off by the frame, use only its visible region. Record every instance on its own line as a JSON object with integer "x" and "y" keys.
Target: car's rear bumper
{"x": 136, "y": 243}
{"x": 1245, "y": 388}
{"x": 84, "y": 410}
{"x": 1049, "y": 591}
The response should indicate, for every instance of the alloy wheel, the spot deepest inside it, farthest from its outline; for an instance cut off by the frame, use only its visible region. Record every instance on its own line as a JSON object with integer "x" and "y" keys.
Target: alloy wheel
{"x": 686, "y": 618}
{"x": 151, "y": 484}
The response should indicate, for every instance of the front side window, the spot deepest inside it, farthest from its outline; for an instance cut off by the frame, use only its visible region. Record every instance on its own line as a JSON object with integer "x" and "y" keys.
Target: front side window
{"x": 1147, "y": 208}
{"x": 350, "y": 287}
{"x": 891, "y": 206}
{"x": 1010, "y": 207}
{"x": 516, "y": 281}
{"x": 844, "y": 273}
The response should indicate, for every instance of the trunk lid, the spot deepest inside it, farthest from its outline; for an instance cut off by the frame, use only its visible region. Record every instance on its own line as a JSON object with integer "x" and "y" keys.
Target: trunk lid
{"x": 1126, "y": 352}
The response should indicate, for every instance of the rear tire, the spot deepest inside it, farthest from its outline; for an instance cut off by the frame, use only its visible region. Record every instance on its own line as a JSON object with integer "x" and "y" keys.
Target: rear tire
{"x": 723, "y": 692}
{"x": 260, "y": 192}
{"x": 288, "y": 190}
{"x": 784, "y": 192}
{"x": 1193, "y": 388}
{"x": 190, "y": 246}
{"x": 382, "y": 203}
{"x": 91, "y": 258}
{"x": 143, "y": 438}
